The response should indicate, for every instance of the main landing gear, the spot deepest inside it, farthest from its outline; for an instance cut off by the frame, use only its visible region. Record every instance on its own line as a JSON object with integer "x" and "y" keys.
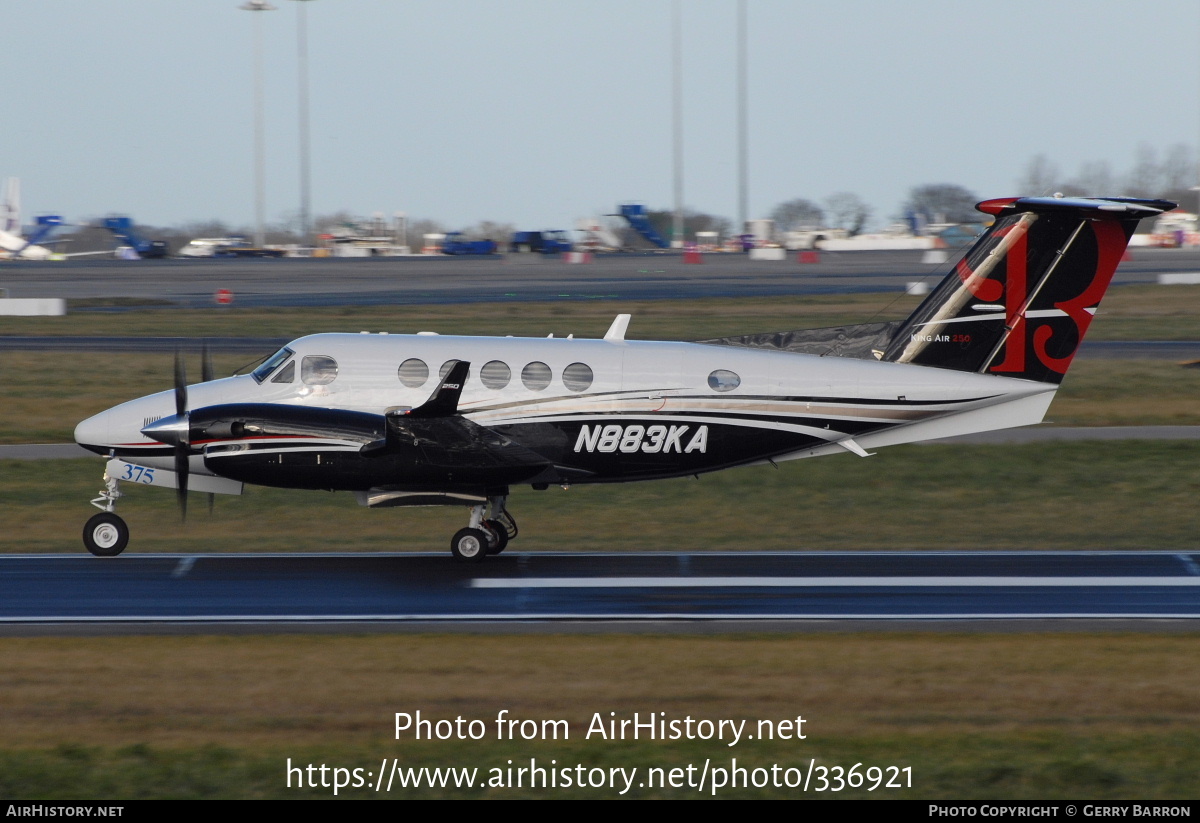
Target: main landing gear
{"x": 106, "y": 534}
{"x": 488, "y": 532}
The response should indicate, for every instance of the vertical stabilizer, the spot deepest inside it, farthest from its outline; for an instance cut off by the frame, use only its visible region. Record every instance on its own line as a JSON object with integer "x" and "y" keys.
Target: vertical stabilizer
{"x": 10, "y": 209}
{"x": 1020, "y": 301}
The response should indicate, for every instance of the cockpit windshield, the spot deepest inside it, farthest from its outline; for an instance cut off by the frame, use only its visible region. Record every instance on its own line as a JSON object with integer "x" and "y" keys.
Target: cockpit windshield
{"x": 273, "y": 362}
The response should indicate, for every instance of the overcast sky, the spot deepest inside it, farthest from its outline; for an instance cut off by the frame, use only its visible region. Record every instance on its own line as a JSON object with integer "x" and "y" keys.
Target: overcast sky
{"x": 538, "y": 112}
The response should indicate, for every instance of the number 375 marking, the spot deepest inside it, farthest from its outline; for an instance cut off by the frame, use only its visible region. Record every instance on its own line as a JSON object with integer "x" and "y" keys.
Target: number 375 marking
{"x": 138, "y": 474}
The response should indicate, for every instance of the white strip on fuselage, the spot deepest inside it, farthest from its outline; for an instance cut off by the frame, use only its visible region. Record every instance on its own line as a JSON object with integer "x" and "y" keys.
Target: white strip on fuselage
{"x": 1000, "y": 316}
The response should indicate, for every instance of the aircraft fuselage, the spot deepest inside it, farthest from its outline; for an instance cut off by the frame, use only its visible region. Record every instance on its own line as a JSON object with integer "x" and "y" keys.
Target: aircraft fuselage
{"x": 591, "y": 410}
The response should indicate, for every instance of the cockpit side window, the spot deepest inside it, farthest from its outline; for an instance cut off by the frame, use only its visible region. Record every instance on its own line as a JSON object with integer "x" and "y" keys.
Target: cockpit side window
{"x": 318, "y": 370}
{"x": 287, "y": 374}
{"x": 272, "y": 363}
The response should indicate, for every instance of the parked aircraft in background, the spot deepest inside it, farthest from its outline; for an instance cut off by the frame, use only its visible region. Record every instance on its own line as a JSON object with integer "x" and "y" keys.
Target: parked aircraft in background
{"x": 13, "y": 245}
{"x": 427, "y": 419}
{"x": 10, "y": 208}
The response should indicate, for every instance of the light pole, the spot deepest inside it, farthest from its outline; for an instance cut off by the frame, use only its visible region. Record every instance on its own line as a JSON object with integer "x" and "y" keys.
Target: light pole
{"x": 677, "y": 236}
{"x": 743, "y": 160}
{"x": 260, "y": 145}
{"x": 305, "y": 174}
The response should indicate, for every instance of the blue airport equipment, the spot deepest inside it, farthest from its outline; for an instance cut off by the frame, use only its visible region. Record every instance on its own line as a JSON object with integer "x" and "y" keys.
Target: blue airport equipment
{"x": 635, "y": 215}
{"x": 122, "y": 228}
{"x": 457, "y": 243}
{"x": 542, "y": 242}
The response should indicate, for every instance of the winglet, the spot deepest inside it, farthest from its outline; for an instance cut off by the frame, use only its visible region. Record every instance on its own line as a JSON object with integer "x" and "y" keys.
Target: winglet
{"x": 617, "y": 330}
{"x": 444, "y": 401}
{"x": 851, "y": 445}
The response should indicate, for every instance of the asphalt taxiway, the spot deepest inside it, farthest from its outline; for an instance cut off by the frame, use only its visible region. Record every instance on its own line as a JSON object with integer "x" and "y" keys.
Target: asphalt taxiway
{"x": 271, "y": 592}
{"x": 420, "y": 279}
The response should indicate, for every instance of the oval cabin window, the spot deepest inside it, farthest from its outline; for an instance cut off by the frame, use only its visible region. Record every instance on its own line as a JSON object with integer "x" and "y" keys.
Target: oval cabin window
{"x": 536, "y": 376}
{"x": 318, "y": 370}
{"x": 723, "y": 380}
{"x": 413, "y": 373}
{"x": 577, "y": 377}
{"x": 495, "y": 374}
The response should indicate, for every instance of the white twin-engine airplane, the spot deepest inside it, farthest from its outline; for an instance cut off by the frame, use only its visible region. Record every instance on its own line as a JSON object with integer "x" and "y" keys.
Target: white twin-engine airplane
{"x": 404, "y": 420}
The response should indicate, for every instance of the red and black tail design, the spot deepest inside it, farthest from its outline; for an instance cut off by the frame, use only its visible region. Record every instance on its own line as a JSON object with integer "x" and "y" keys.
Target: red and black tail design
{"x": 1020, "y": 301}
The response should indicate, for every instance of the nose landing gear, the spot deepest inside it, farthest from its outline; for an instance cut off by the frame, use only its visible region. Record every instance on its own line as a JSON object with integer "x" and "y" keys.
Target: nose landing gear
{"x": 106, "y": 534}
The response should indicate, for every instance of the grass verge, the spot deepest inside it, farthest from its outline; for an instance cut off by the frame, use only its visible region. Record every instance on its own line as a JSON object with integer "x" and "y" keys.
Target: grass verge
{"x": 1100, "y": 495}
{"x": 1097, "y": 716}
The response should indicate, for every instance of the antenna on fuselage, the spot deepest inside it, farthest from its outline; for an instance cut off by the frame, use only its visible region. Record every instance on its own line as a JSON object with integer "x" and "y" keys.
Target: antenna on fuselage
{"x": 617, "y": 330}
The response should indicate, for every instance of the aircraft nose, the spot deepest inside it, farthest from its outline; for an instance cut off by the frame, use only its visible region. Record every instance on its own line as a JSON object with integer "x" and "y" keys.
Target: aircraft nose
{"x": 93, "y": 433}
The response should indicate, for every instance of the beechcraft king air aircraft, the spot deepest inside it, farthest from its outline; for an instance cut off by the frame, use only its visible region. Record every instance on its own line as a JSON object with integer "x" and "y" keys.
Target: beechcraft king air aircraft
{"x": 427, "y": 419}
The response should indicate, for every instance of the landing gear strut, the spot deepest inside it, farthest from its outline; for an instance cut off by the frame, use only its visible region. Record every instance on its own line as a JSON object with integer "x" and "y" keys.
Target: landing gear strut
{"x": 106, "y": 534}
{"x": 488, "y": 532}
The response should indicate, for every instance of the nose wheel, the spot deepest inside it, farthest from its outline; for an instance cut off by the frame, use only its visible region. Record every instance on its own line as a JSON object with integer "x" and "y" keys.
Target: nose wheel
{"x": 106, "y": 535}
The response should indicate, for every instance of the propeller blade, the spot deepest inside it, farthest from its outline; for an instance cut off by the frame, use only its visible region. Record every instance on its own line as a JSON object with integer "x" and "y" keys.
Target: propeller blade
{"x": 181, "y": 476}
{"x": 211, "y": 501}
{"x": 206, "y": 363}
{"x": 183, "y": 444}
{"x": 180, "y": 384}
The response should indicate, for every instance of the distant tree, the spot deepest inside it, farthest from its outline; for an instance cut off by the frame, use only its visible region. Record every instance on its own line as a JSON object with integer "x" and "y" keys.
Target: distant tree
{"x": 1179, "y": 175}
{"x": 1041, "y": 178}
{"x": 1095, "y": 179}
{"x": 663, "y": 222}
{"x": 206, "y": 228}
{"x": 798, "y": 214}
{"x": 85, "y": 236}
{"x": 489, "y": 230}
{"x": 695, "y": 221}
{"x": 326, "y": 223}
{"x": 847, "y": 211}
{"x": 1169, "y": 176}
{"x": 417, "y": 229}
{"x": 1146, "y": 177}
{"x": 943, "y": 201}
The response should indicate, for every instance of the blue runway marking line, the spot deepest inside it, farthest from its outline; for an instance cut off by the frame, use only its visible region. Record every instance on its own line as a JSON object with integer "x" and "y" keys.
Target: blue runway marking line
{"x": 185, "y": 565}
{"x": 1190, "y": 562}
{"x": 815, "y": 582}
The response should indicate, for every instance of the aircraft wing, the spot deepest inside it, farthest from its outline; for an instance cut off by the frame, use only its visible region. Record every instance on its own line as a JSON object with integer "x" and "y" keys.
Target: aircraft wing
{"x": 453, "y": 443}
{"x": 431, "y": 443}
{"x": 449, "y": 442}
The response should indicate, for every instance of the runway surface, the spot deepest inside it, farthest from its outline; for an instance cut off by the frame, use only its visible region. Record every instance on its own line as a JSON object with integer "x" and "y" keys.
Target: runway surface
{"x": 416, "y": 280}
{"x": 265, "y": 590}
